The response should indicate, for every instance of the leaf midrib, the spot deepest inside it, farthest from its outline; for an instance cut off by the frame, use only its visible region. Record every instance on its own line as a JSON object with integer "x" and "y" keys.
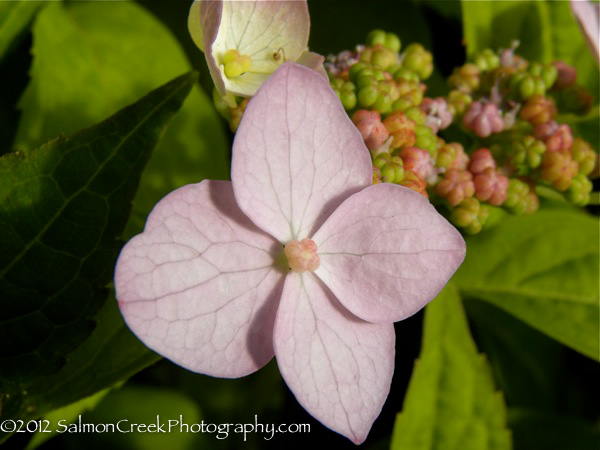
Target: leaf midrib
{"x": 90, "y": 180}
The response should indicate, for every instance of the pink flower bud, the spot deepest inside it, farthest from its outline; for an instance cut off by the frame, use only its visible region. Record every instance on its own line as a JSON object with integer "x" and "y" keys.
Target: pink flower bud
{"x": 438, "y": 115}
{"x": 481, "y": 159}
{"x": 490, "y": 186}
{"x": 566, "y": 75}
{"x": 483, "y": 118}
{"x": 420, "y": 162}
{"x": 558, "y": 138}
{"x": 371, "y": 128}
{"x": 456, "y": 186}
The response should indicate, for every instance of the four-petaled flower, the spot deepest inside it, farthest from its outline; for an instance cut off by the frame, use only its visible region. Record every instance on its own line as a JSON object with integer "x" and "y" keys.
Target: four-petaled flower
{"x": 298, "y": 257}
{"x": 245, "y": 41}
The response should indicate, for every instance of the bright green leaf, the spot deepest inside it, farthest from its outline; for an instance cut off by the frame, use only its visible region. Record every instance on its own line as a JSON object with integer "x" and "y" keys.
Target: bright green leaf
{"x": 83, "y": 71}
{"x": 148, "y": 406}
{"x": 63, "y": 208}
{"x": 546, "y": 30}
{"x": 67, "y": 413}
{"x": 451, "y": 402}
{"x": 15, "y": 18}
{"x": 543, "y": 269}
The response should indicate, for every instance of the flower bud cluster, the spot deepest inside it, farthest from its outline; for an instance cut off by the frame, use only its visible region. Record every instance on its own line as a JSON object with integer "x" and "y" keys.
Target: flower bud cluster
{"x": 505, "y": 106}
{"x": 501, "y": 107}
{"x": 511, "y": 106}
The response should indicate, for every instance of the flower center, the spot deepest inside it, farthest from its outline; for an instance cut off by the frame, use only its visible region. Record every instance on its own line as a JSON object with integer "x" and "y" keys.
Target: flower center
{"x": 236, "y": 63}
{"x": 302, "y": 255}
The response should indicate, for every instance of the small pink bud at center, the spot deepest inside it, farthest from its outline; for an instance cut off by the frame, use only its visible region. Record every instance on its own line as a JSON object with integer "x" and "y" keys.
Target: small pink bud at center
{"x": 302, "y": 255}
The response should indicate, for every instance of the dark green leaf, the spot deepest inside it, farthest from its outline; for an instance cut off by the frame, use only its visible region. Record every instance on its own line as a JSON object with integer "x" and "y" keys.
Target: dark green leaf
{"x": 15, "y": 18}
{"x": 144, "y": 405}
{"x": 537, "y": 430}
{"x": 526, "y": 363}
{"x": 63, "y": 208}
{"x": 543, "y": 269}
{"x": 451, "y": 402}
{"x": 83, "y": 71}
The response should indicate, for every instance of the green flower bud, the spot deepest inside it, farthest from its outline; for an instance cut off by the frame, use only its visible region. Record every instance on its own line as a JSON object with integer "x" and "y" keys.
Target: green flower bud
{"x": 348, "y": 99}
{"x": 416, "y": 114}
{"x": 579, "y": 191}
{"x": 376, "y": 37}
{"x": 401, "y": 104}
{"x": 392, "y": 42}
{"x": 383, "y": 57}
{"x": 405, "y": 73}
{"x": 487, "y": 60}
{"x": 367, "y": 95}
{"x": 356, "y": 69}
{"x": 383, "y": 104}
{"x": 393, "y": 170}
{"x": 419, "y": 60}
{"x": 365, "y": 78}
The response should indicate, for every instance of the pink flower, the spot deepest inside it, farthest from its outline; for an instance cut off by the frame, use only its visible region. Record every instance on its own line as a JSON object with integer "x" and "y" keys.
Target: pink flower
{"x": 483, "y": 118}
{"x": 244, "y": 42}
{"x": 208, "y": 283}
{"x": 588, "y": 18}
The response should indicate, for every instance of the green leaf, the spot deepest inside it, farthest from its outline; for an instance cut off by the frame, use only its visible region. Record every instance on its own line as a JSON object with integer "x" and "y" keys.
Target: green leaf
{"x": 543, "y": 269}
{"x": 149, "y": 406}
{"x": 67, "y": 413}
{"x": 83, "y": 71}
{"x": 535, "y": 429}
{"x": 450, "y": 402}
{"x": 63, "y": 208}
{"x": 110, "y": 354}
{"x": 15, "y": 18}
{"x": 546, "y": 30}
{"x": 525, "y": 362}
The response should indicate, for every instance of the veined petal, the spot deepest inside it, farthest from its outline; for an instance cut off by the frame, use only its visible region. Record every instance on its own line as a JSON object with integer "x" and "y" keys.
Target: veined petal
{"x": 198, "y": 286}
{"x": 338, "y": 366}
{"x": 268, "y": 31}
{"x": 296, "y": 154}
{"x": 313, "y": 61}
{"x": 204, "y": 21}
{"x": 588, "y": 17}
{"x": 386, "y": 252}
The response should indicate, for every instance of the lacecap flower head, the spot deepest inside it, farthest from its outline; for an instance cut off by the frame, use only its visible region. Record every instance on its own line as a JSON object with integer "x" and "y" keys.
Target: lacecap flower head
{"x": 245, "y": 41}
{"x": 298, "y": 257}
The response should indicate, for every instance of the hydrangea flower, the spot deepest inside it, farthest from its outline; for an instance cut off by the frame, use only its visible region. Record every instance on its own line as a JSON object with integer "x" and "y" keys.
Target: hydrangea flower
{"x": 298, "y": 257}
{"x": 244, "y": 42}
{"x": 588, "y": 17}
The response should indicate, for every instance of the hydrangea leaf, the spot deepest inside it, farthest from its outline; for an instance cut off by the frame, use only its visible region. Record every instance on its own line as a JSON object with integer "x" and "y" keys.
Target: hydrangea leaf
{"x": 552, "y": 431}
{"x": 110, "y": 354}
{"x": 142, "y": 405}
{"x": 526, "y": 362}
{"x": 64, "y": 206}
{"x": 199, "y": 285}
{"x": 338, "y": 366}
{"x": 542, "y": 269}
{"x": 386, "y": 252}
{"x": 546, "y": 31}
{"x": 83, "y": 71}
{"x": 293, "y": 162}
{"x": 451, "y": 400}
{"x": 15, "y": 18}
{"x": 269, "y": 32}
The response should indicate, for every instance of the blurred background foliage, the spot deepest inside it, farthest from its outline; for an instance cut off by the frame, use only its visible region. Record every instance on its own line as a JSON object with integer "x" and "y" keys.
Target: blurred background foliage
{"x": 65, "y": 66}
